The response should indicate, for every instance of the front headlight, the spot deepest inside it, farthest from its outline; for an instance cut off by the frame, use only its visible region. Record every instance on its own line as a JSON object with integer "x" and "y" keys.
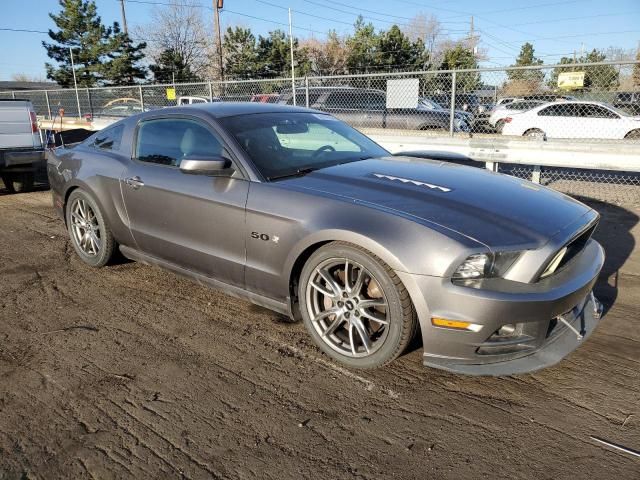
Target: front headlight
{"x": 485, "y": 265}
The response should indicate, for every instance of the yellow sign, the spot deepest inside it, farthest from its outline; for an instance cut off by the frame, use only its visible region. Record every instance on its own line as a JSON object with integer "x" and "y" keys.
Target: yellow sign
{"x": 571, "y": 80}
{"x": 171, "y": 93}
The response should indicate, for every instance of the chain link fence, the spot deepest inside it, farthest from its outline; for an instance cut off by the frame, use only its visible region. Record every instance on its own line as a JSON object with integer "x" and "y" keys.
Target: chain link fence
{"x": 618, "y": 187}
{"x": 588, "y": 102}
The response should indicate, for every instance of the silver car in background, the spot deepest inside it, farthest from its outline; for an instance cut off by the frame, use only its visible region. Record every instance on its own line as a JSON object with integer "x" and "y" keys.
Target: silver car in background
{"x": 294, "y": 210}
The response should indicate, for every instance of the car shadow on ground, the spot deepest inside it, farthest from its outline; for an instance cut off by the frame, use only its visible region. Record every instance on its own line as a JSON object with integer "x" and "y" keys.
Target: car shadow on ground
{"x": 615, "y": 235}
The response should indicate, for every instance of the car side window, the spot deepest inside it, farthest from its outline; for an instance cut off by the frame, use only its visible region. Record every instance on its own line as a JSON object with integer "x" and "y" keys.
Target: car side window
{"x": 596, "y": 111}
{"x": 340, "y": 100}
{"x": 552, "y": 111}
{"x": 109, "y": 139}
{"x": 166, "y": 141}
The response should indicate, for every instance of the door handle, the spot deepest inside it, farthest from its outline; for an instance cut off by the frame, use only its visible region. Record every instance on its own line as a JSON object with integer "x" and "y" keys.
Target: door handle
{"x": 134, "y": 182}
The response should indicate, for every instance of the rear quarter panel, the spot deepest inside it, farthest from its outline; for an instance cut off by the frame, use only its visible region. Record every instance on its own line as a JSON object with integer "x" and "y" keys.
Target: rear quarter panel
{"x": 97, "y": 173}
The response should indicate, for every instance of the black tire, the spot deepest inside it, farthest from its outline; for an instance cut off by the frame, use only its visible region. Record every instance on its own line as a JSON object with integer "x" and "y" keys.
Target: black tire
{"x": 402, "y": 320}
{"x": 108, "y": 245}
{"x": 18, "y": 182}
{"x": 499, "y": 126}
{"x": 633, "y": 135}
{"x": 534, "y": 133}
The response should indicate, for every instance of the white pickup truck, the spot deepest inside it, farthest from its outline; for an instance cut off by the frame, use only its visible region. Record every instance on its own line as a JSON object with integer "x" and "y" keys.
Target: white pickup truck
{"x": 21, "y": 149}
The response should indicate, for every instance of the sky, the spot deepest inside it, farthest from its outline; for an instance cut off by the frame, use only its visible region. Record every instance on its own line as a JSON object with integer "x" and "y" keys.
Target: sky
{"x": 555, "y": 27}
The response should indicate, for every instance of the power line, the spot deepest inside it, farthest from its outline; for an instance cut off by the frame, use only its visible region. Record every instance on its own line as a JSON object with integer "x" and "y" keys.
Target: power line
{"x": 378, "y": 13}
{"x": 557, "y": 20}
{"x": 24, "y": 30}
{"x": 304, "y": 13}
{"x": 353, "y": 13}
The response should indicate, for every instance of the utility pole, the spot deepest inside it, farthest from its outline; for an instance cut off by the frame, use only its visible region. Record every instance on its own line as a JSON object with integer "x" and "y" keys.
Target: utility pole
{"x": 75, "y": 82}
{"x": 293, "y": 67}
{"x": 124, "y": 18}
{"x": 217, "y": 6}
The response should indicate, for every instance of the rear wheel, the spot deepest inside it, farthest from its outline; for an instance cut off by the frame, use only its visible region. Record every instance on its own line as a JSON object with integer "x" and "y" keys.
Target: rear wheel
{"x": 90, "y": 235}
{"x": 355, "y": 306}
{"x": 534, "y": 133}
{"x": 633, "y": 135}
{"x": 499, "y": 126}
{"x": 18, "y": 182}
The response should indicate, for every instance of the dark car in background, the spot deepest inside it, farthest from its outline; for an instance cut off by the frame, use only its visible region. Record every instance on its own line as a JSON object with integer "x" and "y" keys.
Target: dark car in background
{"x": 367, "y": 108}
{"x": 628, "y": 101}
{"x": 297, "y": 211}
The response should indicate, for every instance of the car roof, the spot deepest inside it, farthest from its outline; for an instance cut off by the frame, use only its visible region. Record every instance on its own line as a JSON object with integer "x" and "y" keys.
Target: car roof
{"x": 230, "y": 109}
{"x": 571, "y": 102}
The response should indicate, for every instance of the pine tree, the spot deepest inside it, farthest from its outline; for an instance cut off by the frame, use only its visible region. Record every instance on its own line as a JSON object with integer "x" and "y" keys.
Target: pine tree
{"x": 596, "y": 77}
{"x": 394, "y": 50}
{"x": 274, "y": 56}
{"x": 361, "y": 46}
{"x": 461, "y": 57}
{"x": 80, "y": 29}
{"x": 171, "y": 67}
{"x": 240, "y": 53}
{"x": 102, "y": 55}
{"x": 123, "y": 66}
{"x": 526, "y": 58}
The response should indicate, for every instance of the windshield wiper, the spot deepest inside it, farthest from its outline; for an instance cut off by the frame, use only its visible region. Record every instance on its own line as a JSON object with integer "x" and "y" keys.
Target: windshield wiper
{"x": 298, "y": 173}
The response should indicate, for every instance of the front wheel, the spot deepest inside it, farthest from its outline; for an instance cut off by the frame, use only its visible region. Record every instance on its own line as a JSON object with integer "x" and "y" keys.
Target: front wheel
{"x": 90, "y": 235}
{"x": 355, "y": 307}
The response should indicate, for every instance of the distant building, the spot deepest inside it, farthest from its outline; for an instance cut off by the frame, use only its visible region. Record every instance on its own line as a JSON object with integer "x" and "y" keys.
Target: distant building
{"x": 10, "y": 86}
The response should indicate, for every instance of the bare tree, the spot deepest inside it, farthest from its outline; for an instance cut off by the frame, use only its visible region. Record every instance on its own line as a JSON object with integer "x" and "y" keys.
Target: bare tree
{"x": 24, "y": 77}
{"x": 428, "y": 29}
{"x": 327, "y": 57}
{"x": 181, "y": 28}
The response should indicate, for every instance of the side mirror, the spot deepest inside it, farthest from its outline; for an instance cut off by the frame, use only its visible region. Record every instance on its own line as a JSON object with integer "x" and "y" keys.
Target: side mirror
{"x": 201, "y": 165}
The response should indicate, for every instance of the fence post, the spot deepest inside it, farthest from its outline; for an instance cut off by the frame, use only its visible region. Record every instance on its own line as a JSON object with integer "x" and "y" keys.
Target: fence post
{"x": 46, "y": 97}
{"x": 306, "y": 91}
{"x": 535, "y": 175}
{"x": 210, "y": 91}
{"x": 90, "y": 103}
{"x": 141, "y": 97}
{"x": 13, "y": 95}
{"x": 452, "y": 112}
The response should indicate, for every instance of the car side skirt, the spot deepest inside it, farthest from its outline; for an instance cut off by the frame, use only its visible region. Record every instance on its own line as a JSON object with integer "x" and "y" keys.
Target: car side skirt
{"x": 238, "y": 292}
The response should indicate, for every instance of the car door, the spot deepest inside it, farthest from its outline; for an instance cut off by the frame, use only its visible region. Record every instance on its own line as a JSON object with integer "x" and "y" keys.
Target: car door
{"x": 354, "y": 107}
{"x": 194, "y": 221}
{"x": 558, "y": 121}
{"x": 599, "y": 122}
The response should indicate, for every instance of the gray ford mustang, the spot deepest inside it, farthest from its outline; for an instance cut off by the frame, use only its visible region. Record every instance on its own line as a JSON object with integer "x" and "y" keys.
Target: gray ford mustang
{"x": 296, "y": 211}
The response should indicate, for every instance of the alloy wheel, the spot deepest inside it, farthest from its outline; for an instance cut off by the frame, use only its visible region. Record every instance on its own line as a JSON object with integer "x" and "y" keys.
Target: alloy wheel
{"x": 348, "y": 308}
{"x": 85, "y": 228}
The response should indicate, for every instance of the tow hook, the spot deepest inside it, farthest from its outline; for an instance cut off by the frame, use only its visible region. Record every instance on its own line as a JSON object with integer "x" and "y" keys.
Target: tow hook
{"x": 597, "y": 307}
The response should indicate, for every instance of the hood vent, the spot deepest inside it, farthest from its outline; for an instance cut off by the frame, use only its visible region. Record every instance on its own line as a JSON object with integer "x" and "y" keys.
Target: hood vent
{"x": 413, "y": 182}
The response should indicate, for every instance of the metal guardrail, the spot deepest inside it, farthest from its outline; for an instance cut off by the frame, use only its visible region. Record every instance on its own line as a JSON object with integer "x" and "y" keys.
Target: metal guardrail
{"x": 604, "y": 171}
{"x": 437, "y": 111}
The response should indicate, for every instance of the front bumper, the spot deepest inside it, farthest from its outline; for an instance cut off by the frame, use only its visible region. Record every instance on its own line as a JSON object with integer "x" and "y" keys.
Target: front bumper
{"x": 497, "y": 302}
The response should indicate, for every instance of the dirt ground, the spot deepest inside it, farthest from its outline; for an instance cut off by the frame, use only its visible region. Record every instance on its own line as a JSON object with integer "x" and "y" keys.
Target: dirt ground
{"x": 132, "y": 372}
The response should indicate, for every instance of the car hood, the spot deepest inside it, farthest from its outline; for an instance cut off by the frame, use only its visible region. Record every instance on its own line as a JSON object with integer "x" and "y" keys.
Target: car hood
{"x": 495, "y": 210}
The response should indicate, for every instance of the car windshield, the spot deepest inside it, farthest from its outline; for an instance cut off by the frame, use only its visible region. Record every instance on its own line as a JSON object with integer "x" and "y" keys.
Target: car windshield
{"x": 287, "y": 144}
